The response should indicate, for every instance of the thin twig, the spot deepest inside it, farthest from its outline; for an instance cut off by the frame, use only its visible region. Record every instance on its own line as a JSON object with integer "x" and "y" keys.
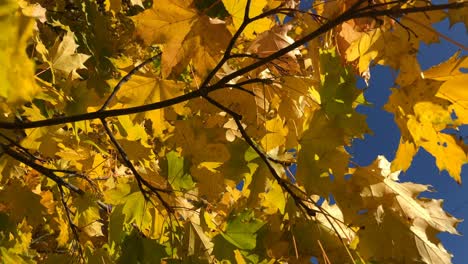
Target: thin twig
{"x": 284, "y": 184}
{"x": 408, "y": 30}
{"x": 72, "y": 225}
{"x": 140, "y": 180}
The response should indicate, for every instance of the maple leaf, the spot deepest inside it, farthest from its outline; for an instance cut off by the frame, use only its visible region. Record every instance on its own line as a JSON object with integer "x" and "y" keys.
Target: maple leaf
{"x": 237, "y": 10}
{"x": 458, "y": 16}
{"x": 176, "y": 175}
{"x": 64, "y": 57}
{"x": 450, "y": 72}
{"x": 33, "y": 10}
{"x": 321, "y": 155}
{"x": 423, "y": 116}
{"x": 17, "y": 205}
{"x": 144, "y": 89}
{"x": 272, "y": 40}
{"x": 241, "y": 230}
{"x": 198, "y": 38}
{"x": 147, "y": 249}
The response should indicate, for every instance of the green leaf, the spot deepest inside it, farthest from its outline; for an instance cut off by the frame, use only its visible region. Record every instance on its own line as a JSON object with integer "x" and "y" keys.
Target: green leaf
{"x": 338, "y": 90}
{"x": 87, "y": 210}
{"x": 117, "y": 228}
{"x": 134, "y": 207}
{"x": 117, "y": 195}
{"x": 241, "y": 230}
{"x": 177, "y": 177}
{"x": 138, "y": 249}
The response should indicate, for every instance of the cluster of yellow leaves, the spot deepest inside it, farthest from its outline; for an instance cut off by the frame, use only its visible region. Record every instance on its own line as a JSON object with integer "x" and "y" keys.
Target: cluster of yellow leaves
{"x": 227, "y": 205}
{"x": 425, "y": 103}
{"x": 428, "y": 106}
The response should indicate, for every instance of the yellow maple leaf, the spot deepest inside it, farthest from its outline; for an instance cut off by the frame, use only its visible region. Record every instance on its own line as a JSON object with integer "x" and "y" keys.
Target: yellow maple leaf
{"x": 366, "y": 48}
{"x": 321, "y": 154}
{"x": 449, "y": 69}
{"x": 65, "y": 59}
{"x": 397, "y": 212}
{"x": 448, "y": 153}
{"x": 404, "y": 155}
{"x": 276, "y": 134}
{"x": 273, "y": 198}
{"x": 63, "y": 228}
{"x": 423, "y": 108}
{"x": 22, "y": 202}
{"x": 237, "y": 10}
{"x": 94, "y": 229}
{"x": 144, "y": 89}
{"x": 453, "y": 88}
{"x": 455, "y": 91}
{"x": 458, "y": 15}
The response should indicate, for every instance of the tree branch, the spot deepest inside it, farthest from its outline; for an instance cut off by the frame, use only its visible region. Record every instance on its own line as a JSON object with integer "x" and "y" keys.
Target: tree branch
{"x": 103, "y": 114}
{"x": 140, "y": 180}
{"x": 349, "y": 14}
{"x": 49, "y": 173}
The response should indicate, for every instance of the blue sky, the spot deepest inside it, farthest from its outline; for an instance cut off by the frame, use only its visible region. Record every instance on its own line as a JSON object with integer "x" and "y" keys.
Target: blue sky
{"x": 385, "y": 140}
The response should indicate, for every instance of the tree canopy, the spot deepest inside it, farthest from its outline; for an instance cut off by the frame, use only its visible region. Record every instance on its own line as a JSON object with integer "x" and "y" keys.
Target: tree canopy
{"x": 217, "y": 131}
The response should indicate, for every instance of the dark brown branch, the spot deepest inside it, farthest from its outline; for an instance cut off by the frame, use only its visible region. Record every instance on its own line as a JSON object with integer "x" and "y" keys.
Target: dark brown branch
{"x": 21, "y": 148}
{"x": 250, "y": 81}
{"x": 50, "y": 173}
{"x": 103, "y": 114}
{"x": 376, "y": 5}
{"x": 240, "y": 88}
{"x": 224, "y": 108}
{"x": 286, "y": 163}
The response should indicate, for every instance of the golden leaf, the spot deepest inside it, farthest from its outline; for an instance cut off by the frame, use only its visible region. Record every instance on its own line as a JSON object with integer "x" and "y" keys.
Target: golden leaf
{"x": 65, "y": 59}
{"x": 187, "y": 36}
